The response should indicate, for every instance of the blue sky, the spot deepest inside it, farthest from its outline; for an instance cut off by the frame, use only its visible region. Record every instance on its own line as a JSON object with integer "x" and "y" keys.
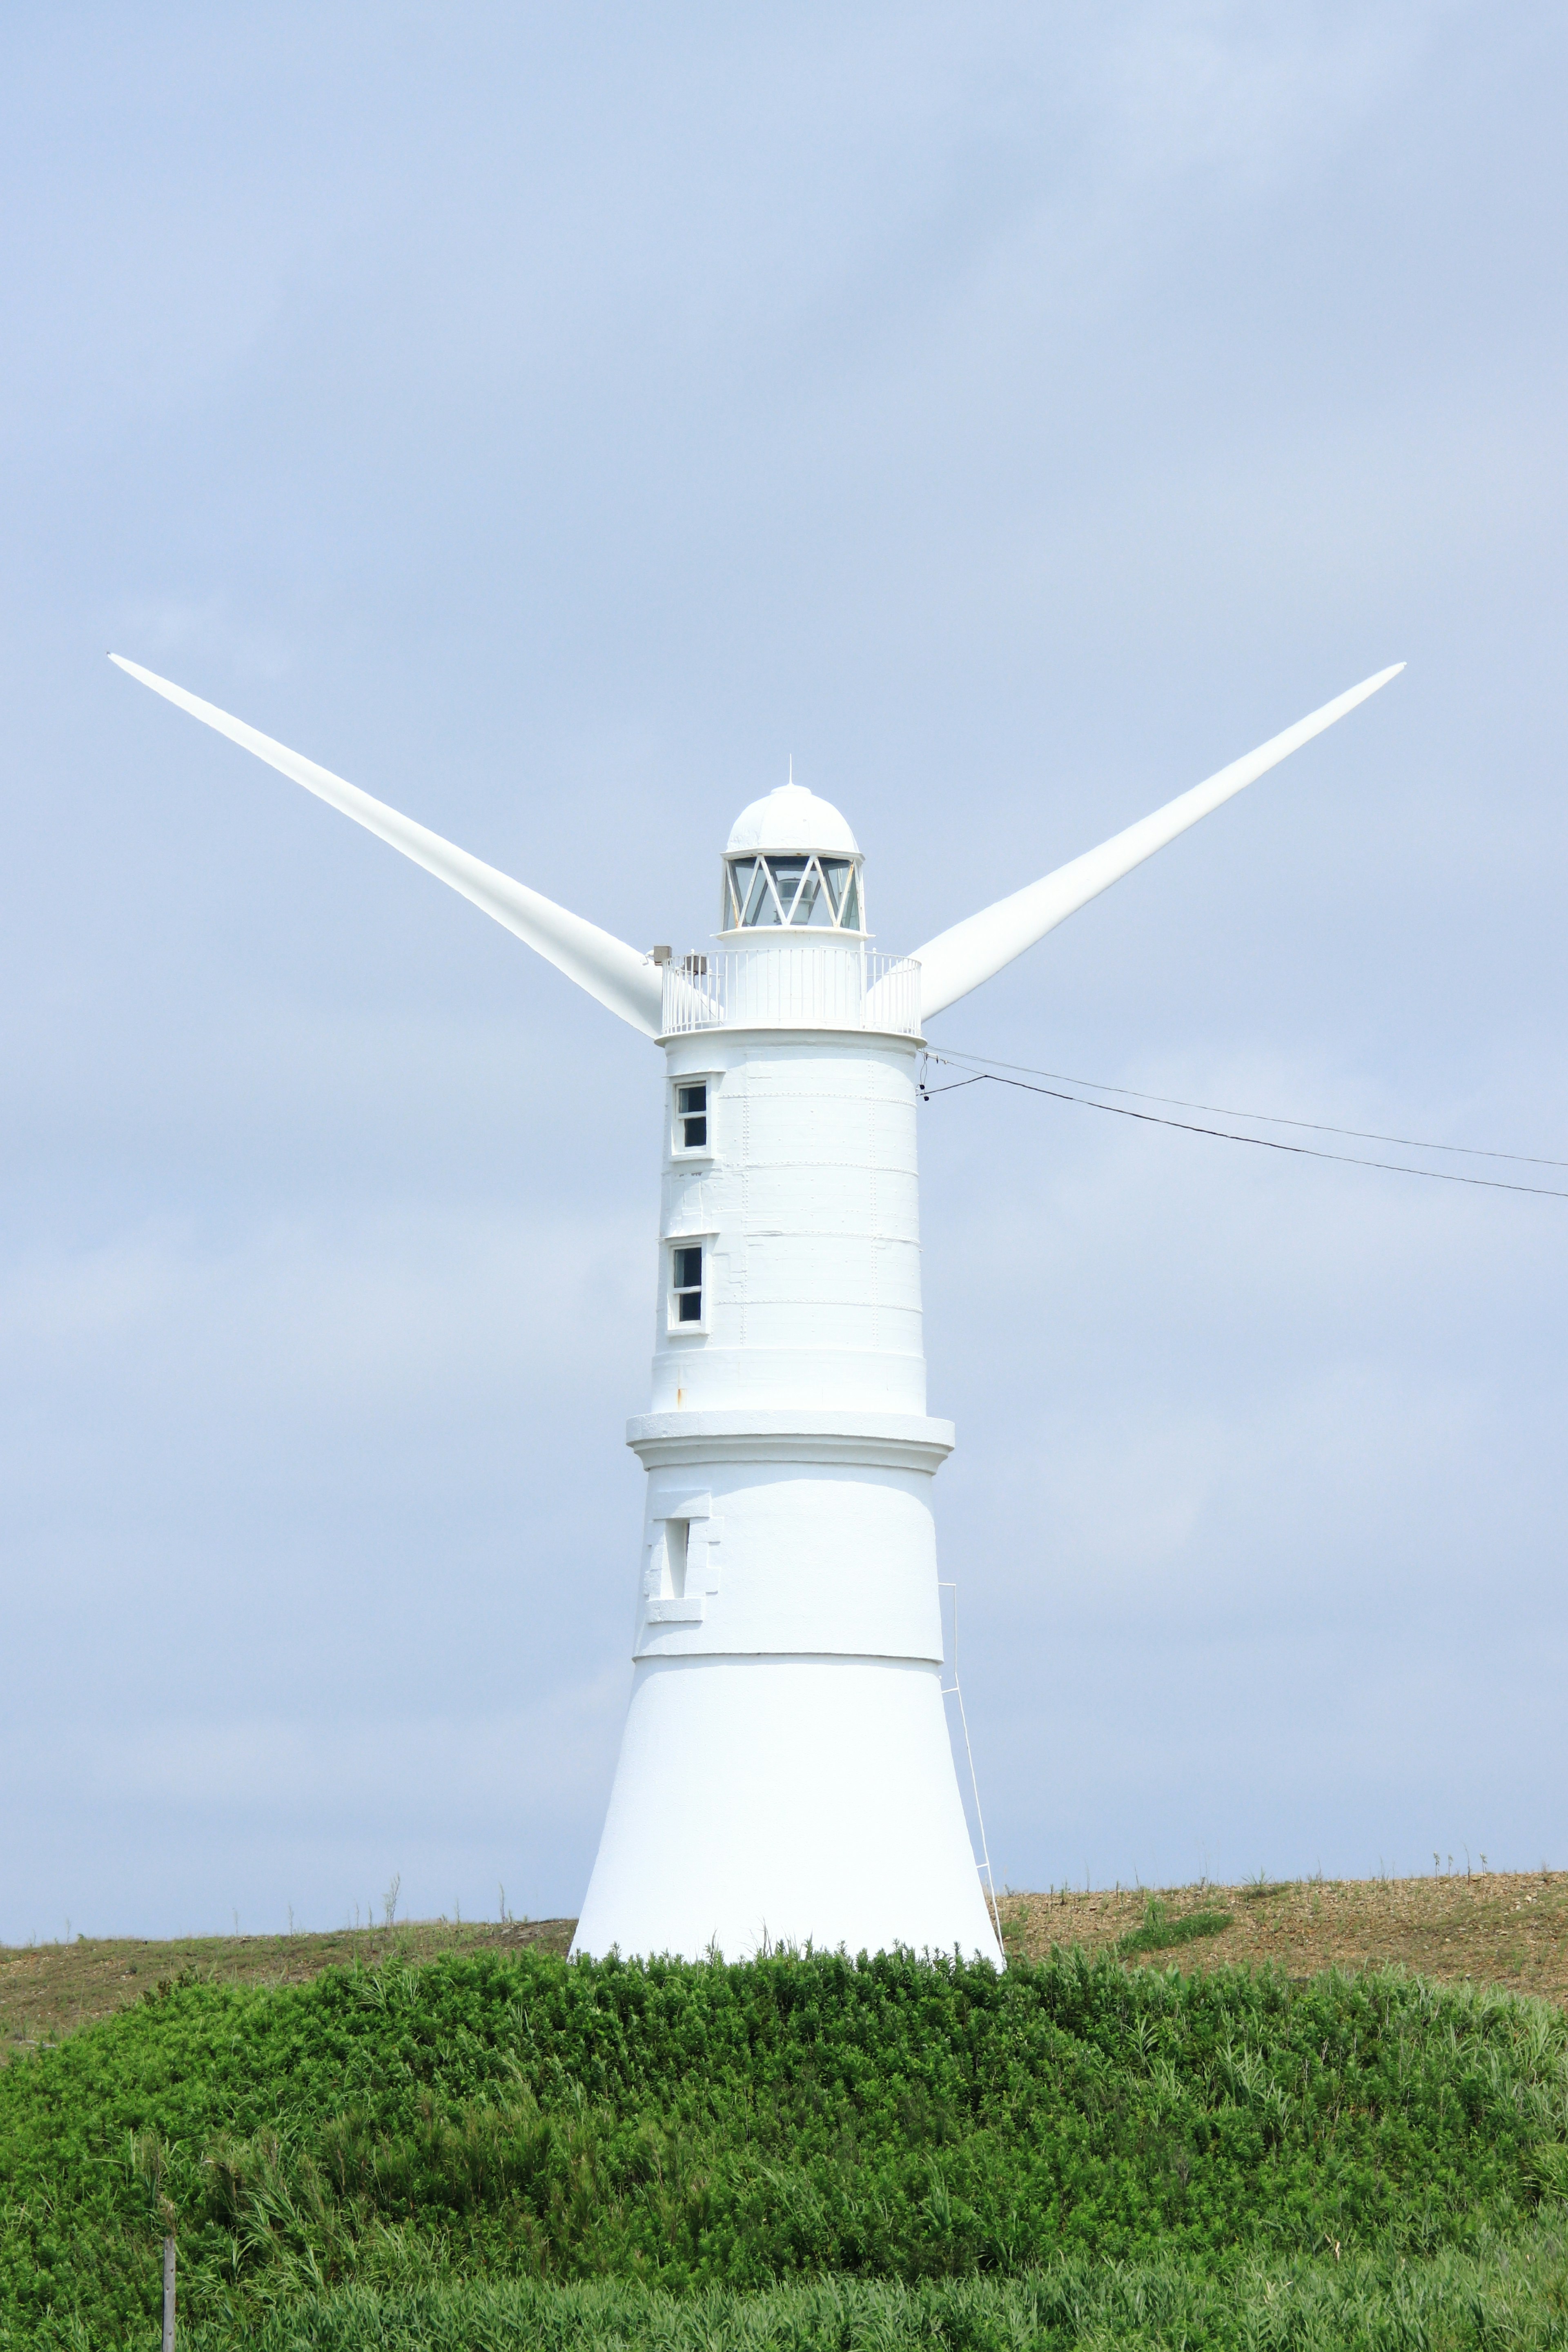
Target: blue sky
{"x": 553, "y": 423}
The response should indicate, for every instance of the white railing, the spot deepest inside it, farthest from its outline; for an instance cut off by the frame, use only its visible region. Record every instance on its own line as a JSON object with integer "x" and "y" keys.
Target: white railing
{"x": 828, "y": 985}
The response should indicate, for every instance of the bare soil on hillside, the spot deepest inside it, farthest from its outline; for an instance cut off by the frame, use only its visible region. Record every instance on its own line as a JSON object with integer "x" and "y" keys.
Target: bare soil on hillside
{"x": 1489, "y": 1927}
{"x": 1507, "y": 1929}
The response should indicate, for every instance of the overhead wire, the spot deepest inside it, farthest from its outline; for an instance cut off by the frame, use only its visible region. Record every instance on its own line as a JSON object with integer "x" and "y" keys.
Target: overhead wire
{"x": 999, "y": 1075}
{"x": 1257, "y": 1118}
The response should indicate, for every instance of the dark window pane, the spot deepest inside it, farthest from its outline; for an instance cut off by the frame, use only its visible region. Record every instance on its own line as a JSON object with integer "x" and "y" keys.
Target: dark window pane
{"x": 787, "y": 872}
{"x": 694, "y": 1098}
{"x": 810, "y": 892}
{"x": 691, "y": 1304}
{"x": 695, "y": 1134}
{"x": 688, "y": 1269}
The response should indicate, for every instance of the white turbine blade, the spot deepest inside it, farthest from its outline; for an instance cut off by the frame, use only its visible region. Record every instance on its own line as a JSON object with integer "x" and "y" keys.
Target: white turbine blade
{"x": 621, "y": 979}
{"x": 958, "y": 959}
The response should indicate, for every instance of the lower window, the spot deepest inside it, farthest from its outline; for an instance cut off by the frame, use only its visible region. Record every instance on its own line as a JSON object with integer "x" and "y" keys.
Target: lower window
{"x": 686, "y": 1287}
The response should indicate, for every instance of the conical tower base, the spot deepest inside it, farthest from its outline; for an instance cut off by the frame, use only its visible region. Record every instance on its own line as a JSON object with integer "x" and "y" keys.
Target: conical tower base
{"x": 786, "y": 1800}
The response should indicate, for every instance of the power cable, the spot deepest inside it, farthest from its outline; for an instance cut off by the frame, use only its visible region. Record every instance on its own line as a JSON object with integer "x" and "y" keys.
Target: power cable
{"x": 1225, "y": 1134}
{"x": 1257, "y": 1118}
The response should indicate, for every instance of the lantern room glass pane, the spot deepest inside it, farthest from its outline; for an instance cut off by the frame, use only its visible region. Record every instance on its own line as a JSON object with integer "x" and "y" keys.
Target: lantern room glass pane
{"x": 839, "y": 871}
{"x": 787, "y": 874}
{"x": 811, "y": 905}
{"x": 759, "y": 907}
{"x": 849, "y": 921}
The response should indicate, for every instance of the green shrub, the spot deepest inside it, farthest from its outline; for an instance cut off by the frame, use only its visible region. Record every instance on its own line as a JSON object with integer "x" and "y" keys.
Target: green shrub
{"x": 704, "y": 2127}
{"x": 1161, "y": 1933}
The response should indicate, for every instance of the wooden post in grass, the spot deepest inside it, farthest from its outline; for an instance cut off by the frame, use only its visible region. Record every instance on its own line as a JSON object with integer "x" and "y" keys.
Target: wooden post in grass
{"x": 168, "y": 2295}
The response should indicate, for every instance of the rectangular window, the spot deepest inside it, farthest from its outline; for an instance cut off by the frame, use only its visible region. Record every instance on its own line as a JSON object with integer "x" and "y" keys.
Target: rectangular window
{"x": 691, "y": 1115}
{"x": 686, "y": 1287}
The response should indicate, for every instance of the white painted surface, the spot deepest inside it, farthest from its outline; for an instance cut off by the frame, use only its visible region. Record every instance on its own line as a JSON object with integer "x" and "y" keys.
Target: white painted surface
{"x": 975, "y": 950}
{"x": 794, "y": 820}
{"x": 795, "y": 982}
{"x": 759, "y": 1433}
{"x": 799, "y": 1799}
{"x": 792, "y": 1686}
{"x": 810, "y": 1193}
{"x": 829, "y": 1558}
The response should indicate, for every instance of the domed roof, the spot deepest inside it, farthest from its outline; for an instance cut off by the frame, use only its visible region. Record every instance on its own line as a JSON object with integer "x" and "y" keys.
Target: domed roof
{"x": 791, "y": 818}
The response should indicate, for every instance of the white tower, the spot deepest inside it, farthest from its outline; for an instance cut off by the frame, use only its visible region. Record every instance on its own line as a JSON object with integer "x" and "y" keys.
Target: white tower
{"x": 784, "y": 1769}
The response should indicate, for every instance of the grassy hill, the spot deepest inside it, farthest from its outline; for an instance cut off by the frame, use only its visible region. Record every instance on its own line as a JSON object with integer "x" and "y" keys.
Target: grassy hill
{"x": 497, "y": 2147}
{"x": 438, "y": 2136}
{"x": 1496, "y": 1929}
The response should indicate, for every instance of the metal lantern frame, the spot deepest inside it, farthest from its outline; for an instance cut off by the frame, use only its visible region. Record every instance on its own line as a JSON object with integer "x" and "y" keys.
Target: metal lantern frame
{"x": 796, "y": 890}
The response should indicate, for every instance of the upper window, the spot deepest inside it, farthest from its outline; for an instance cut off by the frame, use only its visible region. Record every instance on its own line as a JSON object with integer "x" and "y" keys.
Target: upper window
{"x": 802, "y": 892}
{"x": 691, "y": 1115}
{"x": 687, "y": 1286}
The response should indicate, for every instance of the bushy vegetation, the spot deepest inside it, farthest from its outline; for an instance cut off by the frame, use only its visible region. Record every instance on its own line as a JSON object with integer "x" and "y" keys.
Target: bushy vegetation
{"x": 705, "y": 2129}
{"x": 1163, "y": 1930}
{"x": 1512, "y": 2294}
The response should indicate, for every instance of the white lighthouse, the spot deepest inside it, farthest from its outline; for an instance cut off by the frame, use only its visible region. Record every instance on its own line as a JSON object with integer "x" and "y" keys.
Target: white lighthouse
{"x": 785, "y": 1771}
{"x": 785, "y": 1768}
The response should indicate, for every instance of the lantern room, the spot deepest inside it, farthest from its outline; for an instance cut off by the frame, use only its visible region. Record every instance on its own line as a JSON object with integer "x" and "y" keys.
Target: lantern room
{"x": 792, "y": 863}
